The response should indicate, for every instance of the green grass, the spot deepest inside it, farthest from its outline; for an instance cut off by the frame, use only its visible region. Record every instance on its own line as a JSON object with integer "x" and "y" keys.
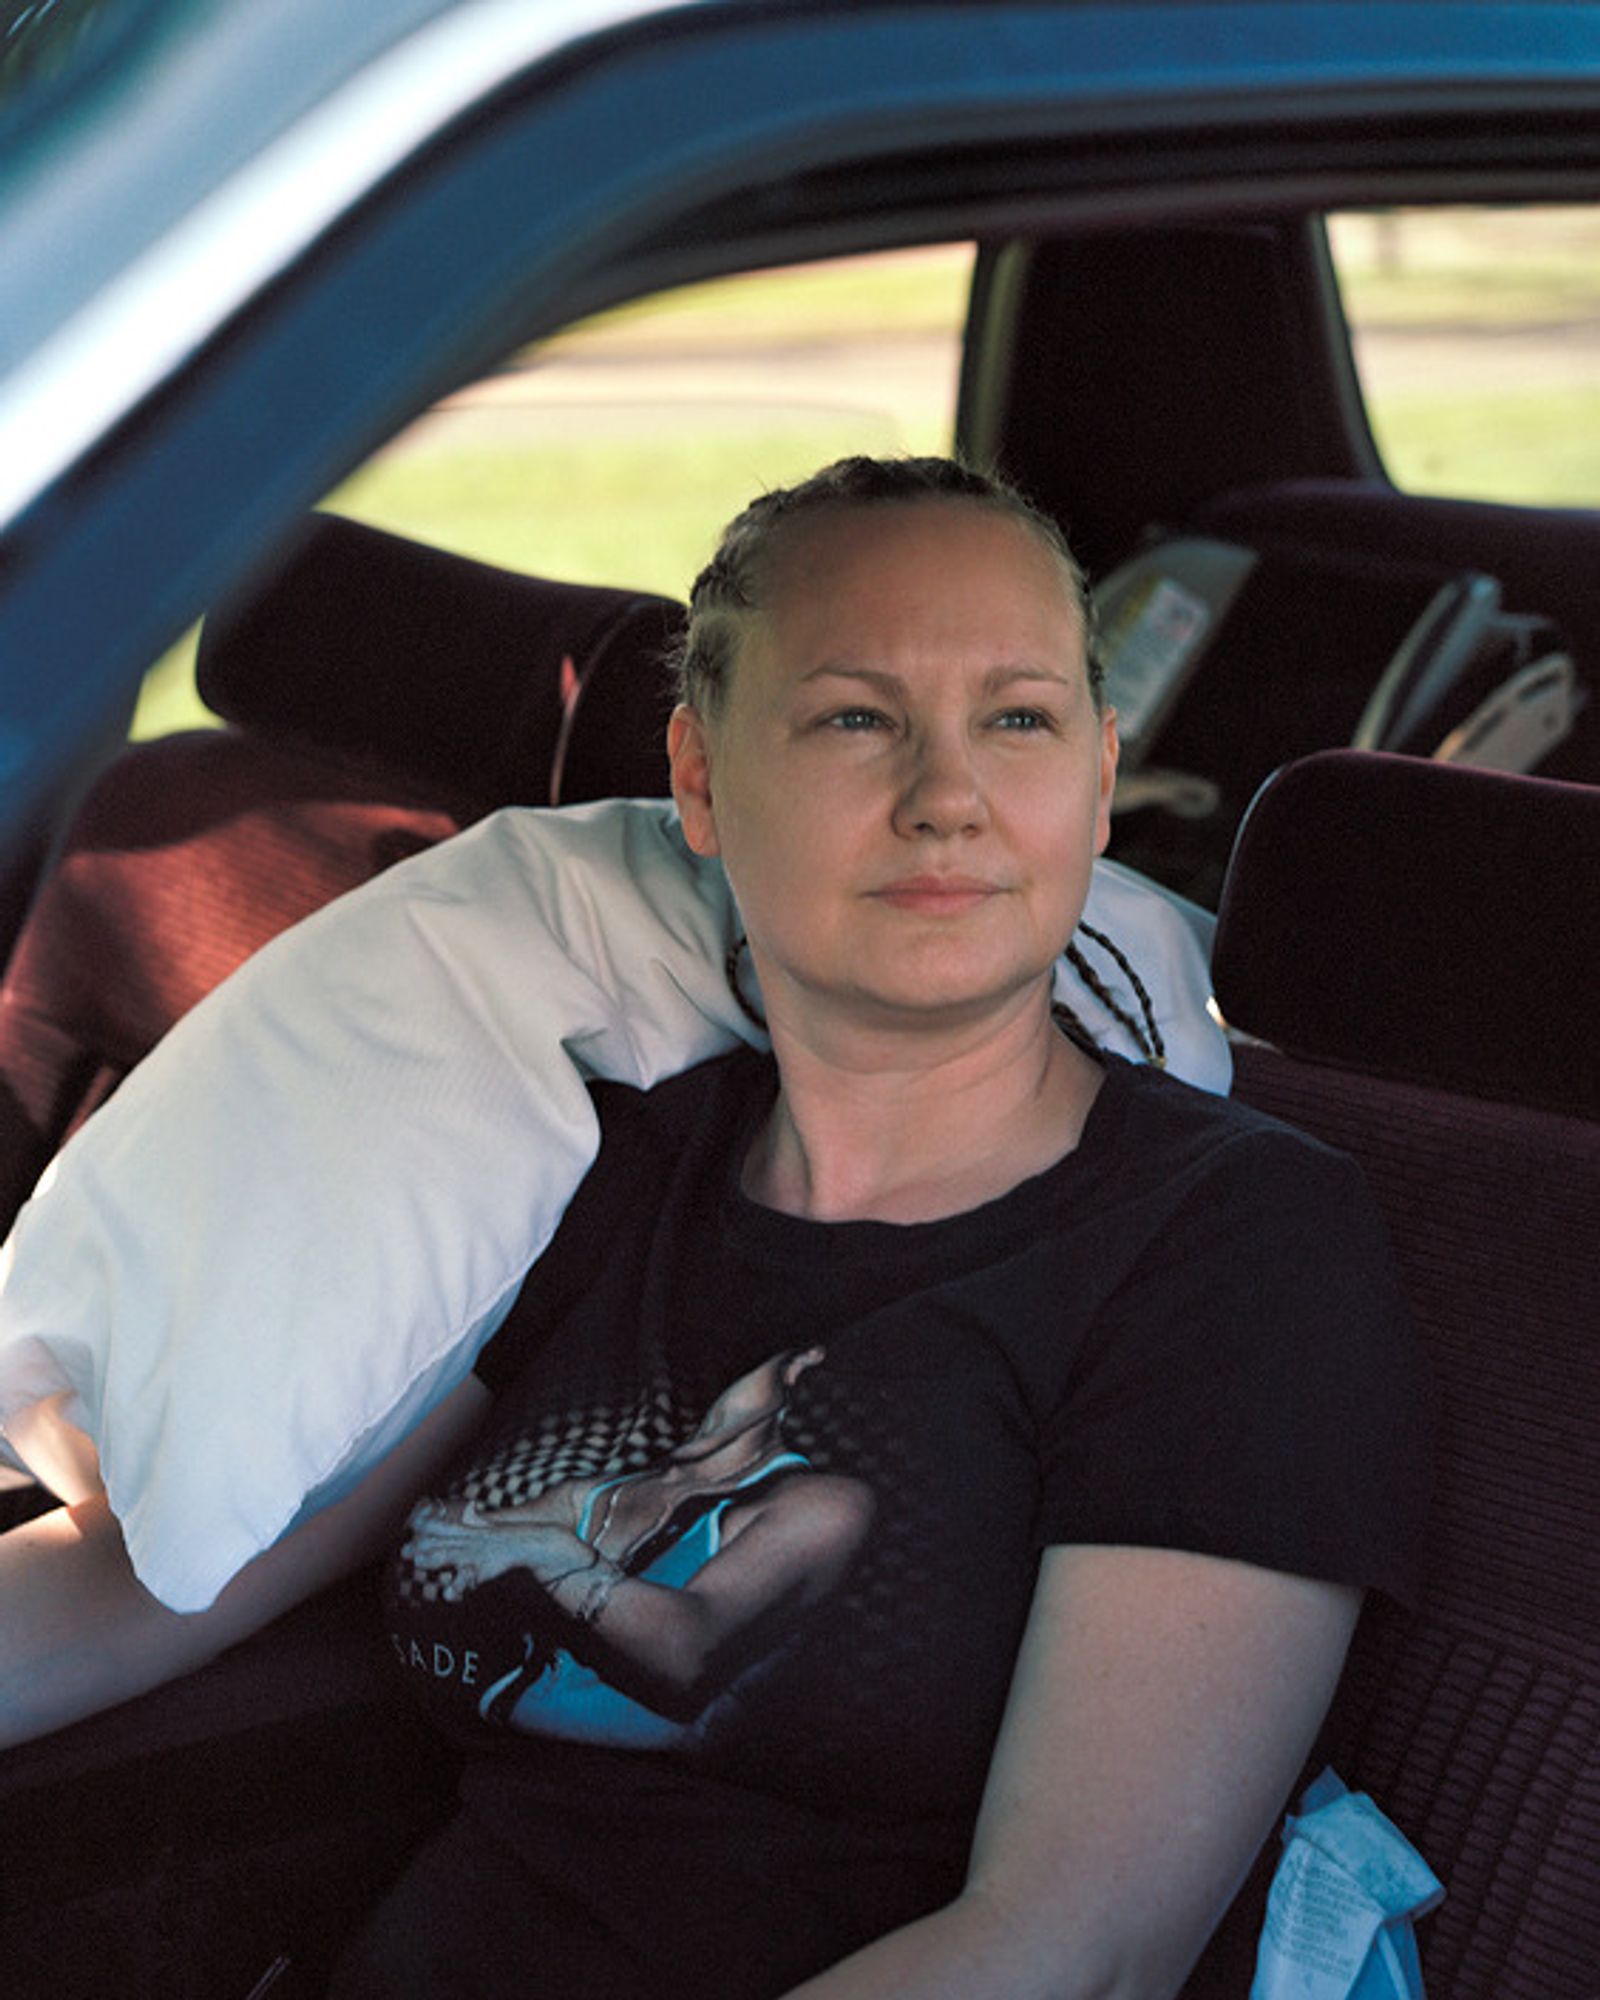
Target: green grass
{"x": 1541, "y": 447}
{"x": 622, "y": 510}
{"x": 167, "y": 698}
{"x": 1499, "y": 425}
{"x": 1464, "y": 294}
{"x": 919, "y": 291}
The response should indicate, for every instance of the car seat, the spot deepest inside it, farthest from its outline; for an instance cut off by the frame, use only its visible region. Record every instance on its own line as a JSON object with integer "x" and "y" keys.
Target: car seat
{"x": 377, "y": 695}
{"x": 1408, "y": 948}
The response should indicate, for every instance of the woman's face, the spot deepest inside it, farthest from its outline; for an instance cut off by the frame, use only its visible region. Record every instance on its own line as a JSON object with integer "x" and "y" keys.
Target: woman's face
{"x": 908, "y": 781}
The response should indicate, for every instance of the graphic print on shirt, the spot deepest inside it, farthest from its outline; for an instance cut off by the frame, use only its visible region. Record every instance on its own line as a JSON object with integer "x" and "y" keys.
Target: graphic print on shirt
{"x": 651, "y": 1598}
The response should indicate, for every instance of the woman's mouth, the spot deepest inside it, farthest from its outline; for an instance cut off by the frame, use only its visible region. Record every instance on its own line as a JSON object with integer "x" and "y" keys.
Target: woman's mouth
{"x": 937, "y": 895}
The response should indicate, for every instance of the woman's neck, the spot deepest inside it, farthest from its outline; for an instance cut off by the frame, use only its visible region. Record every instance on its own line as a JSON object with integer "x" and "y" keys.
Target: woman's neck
{"x": 898, "y": 1129}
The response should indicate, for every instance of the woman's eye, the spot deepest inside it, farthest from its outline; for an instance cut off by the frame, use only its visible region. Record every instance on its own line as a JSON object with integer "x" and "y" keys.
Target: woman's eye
{"x": 1023, "y": 720}
{"x": 857, "y": 718}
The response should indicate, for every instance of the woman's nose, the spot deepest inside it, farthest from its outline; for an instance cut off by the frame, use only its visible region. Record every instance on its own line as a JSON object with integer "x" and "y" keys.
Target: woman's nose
{"x": 942, "y": 793}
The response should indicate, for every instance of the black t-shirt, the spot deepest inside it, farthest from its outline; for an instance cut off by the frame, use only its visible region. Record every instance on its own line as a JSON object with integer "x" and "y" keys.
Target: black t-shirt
{"x": 1186, "y": 1333}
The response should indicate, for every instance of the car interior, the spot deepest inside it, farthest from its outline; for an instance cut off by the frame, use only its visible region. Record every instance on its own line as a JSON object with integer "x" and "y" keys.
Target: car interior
{"x": 1359, "y": 726}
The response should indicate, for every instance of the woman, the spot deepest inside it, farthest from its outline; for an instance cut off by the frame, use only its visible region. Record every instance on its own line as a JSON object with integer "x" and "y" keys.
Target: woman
{"x": 1111, "y": 1420}
{"x": 1092, "y": 1346}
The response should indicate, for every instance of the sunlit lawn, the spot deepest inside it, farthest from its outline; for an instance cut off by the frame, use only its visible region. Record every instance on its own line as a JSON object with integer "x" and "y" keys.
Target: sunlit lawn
{"x": 602, "y": 510}
{"x": 1540, "y": 446}
{"x": 1507, "y": 421}
{"x": 920, "y": 291}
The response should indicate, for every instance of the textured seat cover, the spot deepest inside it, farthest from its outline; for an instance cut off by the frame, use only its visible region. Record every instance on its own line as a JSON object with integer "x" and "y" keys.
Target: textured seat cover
{"x": 1360, "y": 927}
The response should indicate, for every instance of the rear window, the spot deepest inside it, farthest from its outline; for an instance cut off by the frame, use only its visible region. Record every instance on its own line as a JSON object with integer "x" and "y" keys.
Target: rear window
{"x": 1476, "y": 334}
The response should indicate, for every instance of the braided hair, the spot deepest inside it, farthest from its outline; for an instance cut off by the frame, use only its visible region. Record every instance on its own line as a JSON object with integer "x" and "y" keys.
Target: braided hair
{"x": 1143, "y": 1026}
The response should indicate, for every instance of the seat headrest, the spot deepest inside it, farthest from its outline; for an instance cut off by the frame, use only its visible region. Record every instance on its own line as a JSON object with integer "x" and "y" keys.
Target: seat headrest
{"x": 453, "y": 672}
{"x": 1420, "y": 920}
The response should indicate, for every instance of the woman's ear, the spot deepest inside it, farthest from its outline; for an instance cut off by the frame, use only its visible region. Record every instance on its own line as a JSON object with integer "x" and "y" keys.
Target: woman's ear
{"x": 689, "y": 754}
{"x": 1110, "y": 750}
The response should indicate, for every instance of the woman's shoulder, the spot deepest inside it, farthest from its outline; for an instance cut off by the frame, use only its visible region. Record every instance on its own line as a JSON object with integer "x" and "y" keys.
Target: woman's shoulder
{"x": 1146, "y": 1106}
{"x": 724, "y": 1087}
{"x": 1152, "y": 1131}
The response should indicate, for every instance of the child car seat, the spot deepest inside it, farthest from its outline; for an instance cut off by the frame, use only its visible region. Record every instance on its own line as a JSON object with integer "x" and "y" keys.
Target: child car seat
{"x": 1225, "y": 659}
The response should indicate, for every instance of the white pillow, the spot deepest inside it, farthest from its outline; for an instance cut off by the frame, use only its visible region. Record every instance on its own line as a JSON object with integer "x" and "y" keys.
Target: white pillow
{"x": 294, "y": 1226}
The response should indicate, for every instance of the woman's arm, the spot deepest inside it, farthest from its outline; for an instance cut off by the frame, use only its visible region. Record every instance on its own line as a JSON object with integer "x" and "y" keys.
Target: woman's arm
{"x": 79, "y": 1632}
{"x": 1161, "y": 1709}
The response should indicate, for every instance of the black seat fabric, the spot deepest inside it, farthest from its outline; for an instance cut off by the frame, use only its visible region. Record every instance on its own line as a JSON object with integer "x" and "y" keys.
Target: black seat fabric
{"x": 216, "y": 1837}
{"x": 466, "y": 678}
{"x": 1414, "y": 943}
{"x": 378, "y": 695}
{"x": 1421, "y": 921}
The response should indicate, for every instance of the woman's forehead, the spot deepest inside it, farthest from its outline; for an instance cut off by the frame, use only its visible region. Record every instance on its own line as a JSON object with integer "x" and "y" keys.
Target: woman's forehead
{"x": 956, "y": 564}
{"x": 865, "y": 532}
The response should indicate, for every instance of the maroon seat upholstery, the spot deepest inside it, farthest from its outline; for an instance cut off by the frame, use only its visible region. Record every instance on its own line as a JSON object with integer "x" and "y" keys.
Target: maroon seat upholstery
{"x": 377, "y": 695}
{"x": 1417, "y": 944}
